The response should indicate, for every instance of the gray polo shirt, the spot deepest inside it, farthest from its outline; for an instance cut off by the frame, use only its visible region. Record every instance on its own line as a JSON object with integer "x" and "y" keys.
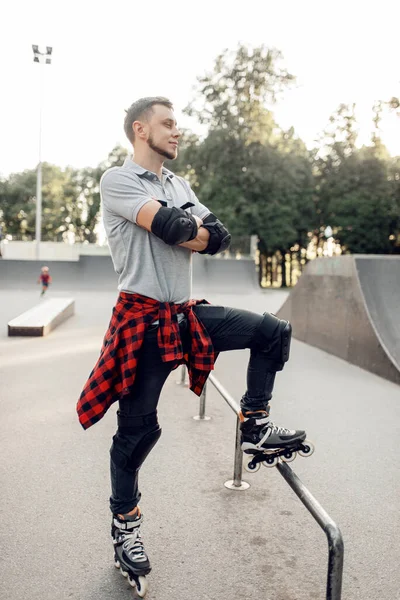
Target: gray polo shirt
{"x": 144, "y": 263}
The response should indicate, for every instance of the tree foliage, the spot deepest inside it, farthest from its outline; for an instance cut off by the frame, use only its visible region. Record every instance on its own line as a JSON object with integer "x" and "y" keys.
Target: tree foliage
{"x": 356, "y": 195}
{"x": 70, "y": 201}
{"x": 255, "y": 176}
{"x": 234, "y": 95}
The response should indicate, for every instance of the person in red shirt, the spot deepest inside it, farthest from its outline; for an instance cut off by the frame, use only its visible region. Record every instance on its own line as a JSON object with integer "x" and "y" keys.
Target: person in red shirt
{"x": 44, "y": 279}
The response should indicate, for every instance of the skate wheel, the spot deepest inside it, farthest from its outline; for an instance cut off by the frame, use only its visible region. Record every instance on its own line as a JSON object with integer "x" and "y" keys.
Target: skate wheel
{"x": 131, "y": 581}
{"x": 117, "y": 564}
{"x": 288, "y": 456}
{"x": 123, "y": 573}
{"x": 307, "y": 448}
{"x": 271, "y": 460}
{"x": 251, "y": 467}
{"x": 141, "y": 586}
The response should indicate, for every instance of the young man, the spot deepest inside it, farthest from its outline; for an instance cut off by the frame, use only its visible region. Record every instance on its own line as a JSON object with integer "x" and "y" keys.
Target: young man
{"x": 154, "y": 222}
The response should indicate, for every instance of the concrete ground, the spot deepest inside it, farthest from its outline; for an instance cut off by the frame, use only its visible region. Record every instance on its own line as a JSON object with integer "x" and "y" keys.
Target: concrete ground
{"x": 205, "y": 542}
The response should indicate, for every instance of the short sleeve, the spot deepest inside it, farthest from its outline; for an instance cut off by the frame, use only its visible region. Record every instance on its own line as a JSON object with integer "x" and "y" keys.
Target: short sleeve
{"x": 123, "y": 194}
{"x": 199, "y": 209}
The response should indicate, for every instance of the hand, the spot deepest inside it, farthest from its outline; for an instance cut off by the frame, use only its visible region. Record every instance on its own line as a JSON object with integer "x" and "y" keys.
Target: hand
{"x": 200, "y": 242}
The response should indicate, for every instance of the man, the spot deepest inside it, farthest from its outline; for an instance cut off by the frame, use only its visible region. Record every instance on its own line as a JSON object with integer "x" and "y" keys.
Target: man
{"x": 154, "y": 222}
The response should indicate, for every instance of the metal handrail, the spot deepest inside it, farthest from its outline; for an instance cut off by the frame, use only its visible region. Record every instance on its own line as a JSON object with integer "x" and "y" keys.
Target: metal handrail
{"x": 236, "y": 483}
{"x": 332, "y": 531}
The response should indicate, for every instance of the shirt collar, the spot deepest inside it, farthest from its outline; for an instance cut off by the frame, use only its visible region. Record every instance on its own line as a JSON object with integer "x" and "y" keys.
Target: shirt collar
{"x": 167, "y": 173}
{"x": 132, "y": 166}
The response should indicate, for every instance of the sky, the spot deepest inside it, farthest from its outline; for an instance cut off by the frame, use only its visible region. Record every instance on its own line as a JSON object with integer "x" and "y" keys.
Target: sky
{"x": 106, "y": 55}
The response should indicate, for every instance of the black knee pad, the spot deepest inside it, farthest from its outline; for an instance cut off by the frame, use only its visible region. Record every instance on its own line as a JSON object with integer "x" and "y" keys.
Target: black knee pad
{"x": 134, "y": 440}
{"x": 143, "y": 448}
{"x": 268, "y": 328}
{"x": 273, "y": 337}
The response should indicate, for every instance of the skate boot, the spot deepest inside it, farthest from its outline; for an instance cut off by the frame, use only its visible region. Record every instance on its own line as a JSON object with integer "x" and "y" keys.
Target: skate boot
{"x": 269, "y": 443}
{"x": 130, "y": 557}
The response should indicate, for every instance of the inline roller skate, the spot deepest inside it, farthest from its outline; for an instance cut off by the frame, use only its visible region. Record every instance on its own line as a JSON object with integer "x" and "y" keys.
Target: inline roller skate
{"x": 129, "y": 554}
{"x": 268, "y": 443}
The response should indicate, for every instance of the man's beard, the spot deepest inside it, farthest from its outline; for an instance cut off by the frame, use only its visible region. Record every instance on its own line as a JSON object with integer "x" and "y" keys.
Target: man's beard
{"x": 165, "y": 153}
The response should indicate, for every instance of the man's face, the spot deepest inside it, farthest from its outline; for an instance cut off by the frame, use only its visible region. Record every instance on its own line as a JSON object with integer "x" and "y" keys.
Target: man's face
{"x": 163, "y": 133}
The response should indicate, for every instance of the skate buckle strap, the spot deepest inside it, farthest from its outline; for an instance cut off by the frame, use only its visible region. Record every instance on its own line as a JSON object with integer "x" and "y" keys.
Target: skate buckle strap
{"x": 125, "y": 525}
{"x": 263, "y": 420}
{"x": 260, "y": 417}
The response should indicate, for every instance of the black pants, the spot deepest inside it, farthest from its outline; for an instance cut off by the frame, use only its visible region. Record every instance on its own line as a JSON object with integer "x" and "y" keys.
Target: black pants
{"x": 229, "y": 329}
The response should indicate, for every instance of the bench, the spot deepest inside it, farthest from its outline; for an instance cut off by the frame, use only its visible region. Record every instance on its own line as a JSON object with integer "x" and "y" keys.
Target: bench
{"x": 42, "y": 318}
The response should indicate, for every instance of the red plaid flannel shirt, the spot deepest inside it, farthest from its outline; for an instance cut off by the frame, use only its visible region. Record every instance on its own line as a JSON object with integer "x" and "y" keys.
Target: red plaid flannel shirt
{"x": 114, "y": 373}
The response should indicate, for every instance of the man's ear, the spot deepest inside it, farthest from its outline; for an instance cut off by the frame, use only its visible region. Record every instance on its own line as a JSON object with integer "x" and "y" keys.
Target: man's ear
{"x": 139, "y": 129}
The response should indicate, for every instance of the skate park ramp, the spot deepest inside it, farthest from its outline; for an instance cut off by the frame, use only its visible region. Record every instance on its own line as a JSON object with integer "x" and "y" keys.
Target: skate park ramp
{"x": 349, "y": 307}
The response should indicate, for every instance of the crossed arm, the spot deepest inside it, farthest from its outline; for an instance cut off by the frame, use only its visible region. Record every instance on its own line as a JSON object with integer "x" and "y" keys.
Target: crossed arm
{"x": 145, "y": 219}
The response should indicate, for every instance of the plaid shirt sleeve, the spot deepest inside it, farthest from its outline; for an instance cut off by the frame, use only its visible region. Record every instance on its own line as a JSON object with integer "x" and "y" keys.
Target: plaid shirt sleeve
{"x": 114, "y": 373}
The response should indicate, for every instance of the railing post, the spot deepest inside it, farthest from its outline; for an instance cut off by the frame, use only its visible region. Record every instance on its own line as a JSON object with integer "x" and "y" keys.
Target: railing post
{"x": 182, "y": 380}
{"x": 332, "y": 531}
{"x": 236, "y": 483}
{"x": 335, "y": 563}
{"x": 202, "y": 408}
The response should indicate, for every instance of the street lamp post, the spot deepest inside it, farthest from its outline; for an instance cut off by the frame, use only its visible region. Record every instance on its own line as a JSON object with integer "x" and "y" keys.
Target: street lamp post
{"x": 43, "y": 58}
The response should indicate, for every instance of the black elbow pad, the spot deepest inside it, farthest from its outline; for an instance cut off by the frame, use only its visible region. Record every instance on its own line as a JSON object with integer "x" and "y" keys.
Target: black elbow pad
{"x": 220, "y": 238}
{"x": 174, "y": 226}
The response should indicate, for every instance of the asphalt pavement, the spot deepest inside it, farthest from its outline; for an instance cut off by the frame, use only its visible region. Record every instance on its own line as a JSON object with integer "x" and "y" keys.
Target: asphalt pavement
{"x": 205, "y": 541}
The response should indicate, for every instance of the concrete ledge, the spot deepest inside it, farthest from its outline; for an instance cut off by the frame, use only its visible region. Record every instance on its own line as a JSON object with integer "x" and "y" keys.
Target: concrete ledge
{"x": 43, "y": 318}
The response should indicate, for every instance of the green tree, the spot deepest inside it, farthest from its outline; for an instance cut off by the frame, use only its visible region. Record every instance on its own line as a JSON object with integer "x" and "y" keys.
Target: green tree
{"x": 85, "y": 210}
{"x": 256, "y": 177}
{"x": 394, "y": 188}
{"x": 260, "y": 189}
{"x": 70, "y": 201}
{"x": 353, "y": 189}
{"x": 279, "y": 208}
{"x": 235, "y": 94}
{"x": 364, "y": 215}
{"x": 18, "y": 203}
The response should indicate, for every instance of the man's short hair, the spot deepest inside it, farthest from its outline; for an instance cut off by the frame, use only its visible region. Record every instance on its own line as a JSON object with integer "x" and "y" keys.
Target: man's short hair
{"x": 142, "y": 109}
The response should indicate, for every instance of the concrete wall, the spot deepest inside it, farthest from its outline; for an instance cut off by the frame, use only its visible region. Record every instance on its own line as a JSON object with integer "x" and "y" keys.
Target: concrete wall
{"x": 226, "y": 275}
{"x": 97, "y": 273}
{"x": 50, "y": 251}
{"x": 88, "y": 273}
